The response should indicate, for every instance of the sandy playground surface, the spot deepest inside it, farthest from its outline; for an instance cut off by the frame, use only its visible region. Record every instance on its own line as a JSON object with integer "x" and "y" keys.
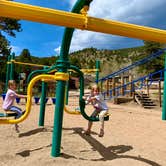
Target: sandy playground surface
{"x": 133, "y": 137}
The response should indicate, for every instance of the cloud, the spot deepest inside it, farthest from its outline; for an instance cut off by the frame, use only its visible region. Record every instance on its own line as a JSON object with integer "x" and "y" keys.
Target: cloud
{"x": 141, "y": 12}
{"x": 17, "y": 50}
{"x": 57, "y": 50}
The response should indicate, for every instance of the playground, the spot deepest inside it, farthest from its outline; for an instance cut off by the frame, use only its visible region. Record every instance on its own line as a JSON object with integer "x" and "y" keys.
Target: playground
{"x": 133, "y": 136}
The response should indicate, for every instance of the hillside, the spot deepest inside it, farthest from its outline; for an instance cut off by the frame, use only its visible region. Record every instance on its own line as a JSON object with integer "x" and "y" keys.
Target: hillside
{"x": 110, "y": 60}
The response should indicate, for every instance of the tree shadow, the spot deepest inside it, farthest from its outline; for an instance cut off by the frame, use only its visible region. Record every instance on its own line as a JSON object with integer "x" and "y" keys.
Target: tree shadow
{"x": 108, "y": 153}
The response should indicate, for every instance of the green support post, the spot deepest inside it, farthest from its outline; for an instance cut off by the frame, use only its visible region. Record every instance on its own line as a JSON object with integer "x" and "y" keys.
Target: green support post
{"x": 62, "y": 66}
{"x": 42, "y": 104}
{"x": 11, "y": 77}
{"x": 101, "y": 86}
{"x": 7, "y": 72}
{"x": 67, "y": 93}
{"x": 19, "y": 79}
{"x": 58, "y": 119}
{"x": 98, "y": 69}
{"x": 164, "y": 95}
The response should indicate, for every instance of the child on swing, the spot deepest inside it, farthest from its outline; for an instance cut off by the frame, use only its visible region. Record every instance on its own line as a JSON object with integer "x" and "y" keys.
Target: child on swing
{"x": 9, "y": 100}
{"x": 100, "y": 106}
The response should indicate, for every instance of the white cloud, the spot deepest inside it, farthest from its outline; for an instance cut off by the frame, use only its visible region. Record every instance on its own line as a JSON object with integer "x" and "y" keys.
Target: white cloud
{"x": 17, "y": 50}
{"x": 57, "y": 50}
{"x": 141, "y": 12}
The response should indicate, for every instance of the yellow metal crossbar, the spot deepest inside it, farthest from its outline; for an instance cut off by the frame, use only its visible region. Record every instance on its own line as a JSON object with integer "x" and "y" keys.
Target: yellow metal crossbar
{"x": 28, "y": 64}
{"x": 89, "y": 70}
{"x": 56, "y": 17}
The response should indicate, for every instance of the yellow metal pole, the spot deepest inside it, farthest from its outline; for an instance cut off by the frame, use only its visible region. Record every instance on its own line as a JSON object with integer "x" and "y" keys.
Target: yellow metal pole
{"x": 28, "y": 64}
{"x": 89, "y": 70}
{"x": 57, "y": 76}
{"x": 69, "y": 111}
{"x": 39, "y": 14}
{"x": 79, "y": 21}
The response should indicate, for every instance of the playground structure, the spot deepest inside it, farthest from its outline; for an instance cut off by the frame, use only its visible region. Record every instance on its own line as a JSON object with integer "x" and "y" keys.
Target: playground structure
{"x": 50, "y": 85}
{"x": 22, "y": 84}
{"x": 72, "y": 106}
{"x": 135, "y": 88}
{"x": 71, "y": 20}
{"x": 135, "y": 64}
{"x": 11, "y": 66}
{"x": 122, "y": 83}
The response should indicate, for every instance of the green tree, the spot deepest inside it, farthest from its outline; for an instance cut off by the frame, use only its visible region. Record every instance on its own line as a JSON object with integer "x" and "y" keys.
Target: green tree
{"x": 75, "y": 61}
{"x": 152, "y": 47}
{"x": 157, "y": 63}
{"x": 25, "y": 56}
{"x": 8, "y": 26}
{"x": 4, "y": 46}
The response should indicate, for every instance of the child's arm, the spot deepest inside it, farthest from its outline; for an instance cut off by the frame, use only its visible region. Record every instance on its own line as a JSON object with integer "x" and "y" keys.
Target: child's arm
{"x": 87, "y": 99}
{"x": 21, "y": 96}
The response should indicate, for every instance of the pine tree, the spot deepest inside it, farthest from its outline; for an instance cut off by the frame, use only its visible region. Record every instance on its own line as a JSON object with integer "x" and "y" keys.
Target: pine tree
{"x": 8, "y": 26}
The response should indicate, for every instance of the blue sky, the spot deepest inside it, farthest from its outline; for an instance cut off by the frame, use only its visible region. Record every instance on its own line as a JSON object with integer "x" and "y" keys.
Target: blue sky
{"x": 44, "y": 40}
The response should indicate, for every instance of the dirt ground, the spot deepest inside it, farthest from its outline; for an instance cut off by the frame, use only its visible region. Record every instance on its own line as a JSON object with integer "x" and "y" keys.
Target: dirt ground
{"x": 134, "y": 136}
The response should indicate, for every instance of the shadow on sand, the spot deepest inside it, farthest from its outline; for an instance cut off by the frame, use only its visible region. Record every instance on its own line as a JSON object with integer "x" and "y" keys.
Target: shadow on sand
{"x": 107, "y": 153}
{"x": 26, "y": 153}
{"x": 35, "y": 131}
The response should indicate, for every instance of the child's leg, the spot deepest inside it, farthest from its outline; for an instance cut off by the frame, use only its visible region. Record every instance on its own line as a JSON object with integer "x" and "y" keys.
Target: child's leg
{"x": 88, "y": 130}
{"x": 17, "y": 110}
{"x": 101, "y": 118}
{"x": 17, "y": 128}
{"x": 90, "y": 123}
{"x": 19, "y": 113}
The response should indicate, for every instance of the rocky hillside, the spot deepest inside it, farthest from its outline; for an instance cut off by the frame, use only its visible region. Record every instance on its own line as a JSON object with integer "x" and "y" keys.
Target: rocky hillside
{"x": 110, "y": 60}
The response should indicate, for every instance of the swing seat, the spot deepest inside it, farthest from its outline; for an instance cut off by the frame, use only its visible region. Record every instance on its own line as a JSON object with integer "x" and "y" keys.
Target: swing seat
{"x": 8, "y": 114}
{"x": 106, "y": 117}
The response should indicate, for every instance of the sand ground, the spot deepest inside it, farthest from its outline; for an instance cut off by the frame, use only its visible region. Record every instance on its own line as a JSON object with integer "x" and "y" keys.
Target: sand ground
{"x": 134, "y": 136}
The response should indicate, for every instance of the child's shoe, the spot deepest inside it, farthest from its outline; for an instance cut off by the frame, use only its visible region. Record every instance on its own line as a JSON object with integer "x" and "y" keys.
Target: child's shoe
{"x": 17, "y": 128}
{"x": 101, "y": 133}
{"x": 23, "y": 112}
{"x": 87, "y": 132}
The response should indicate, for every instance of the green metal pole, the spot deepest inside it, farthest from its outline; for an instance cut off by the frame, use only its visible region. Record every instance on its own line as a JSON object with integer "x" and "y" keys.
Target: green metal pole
{"x": 7, "y": 72}
{"x": 164, "y": 95}
{"x": 63, "y": 65}
{"x": 101, "y": 86}
{"x": 12, "y": 67}
{"x": 42, "y": 104}
{"x": 97, "y": 72}
{"x": 58, "y": 119}
{"x": 67, "y": 92}
{"x": 19, "y": 79}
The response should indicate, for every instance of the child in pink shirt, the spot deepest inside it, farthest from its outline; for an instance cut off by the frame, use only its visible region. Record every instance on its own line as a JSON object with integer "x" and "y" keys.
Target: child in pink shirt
{"x": 9, "y": 100}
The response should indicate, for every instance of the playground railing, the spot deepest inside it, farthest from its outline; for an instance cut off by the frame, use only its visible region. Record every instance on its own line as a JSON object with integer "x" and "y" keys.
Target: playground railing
{"x": 137, "y": 63}
{"x": 134, "y": 85}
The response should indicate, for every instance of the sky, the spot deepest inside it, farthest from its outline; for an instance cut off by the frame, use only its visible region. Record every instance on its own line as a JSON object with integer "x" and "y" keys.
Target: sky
{"x": 44, "y": 40}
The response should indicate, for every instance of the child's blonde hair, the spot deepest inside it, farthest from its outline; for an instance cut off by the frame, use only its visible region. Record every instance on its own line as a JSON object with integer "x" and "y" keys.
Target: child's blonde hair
{"x": 11, "y": 83}
{"x": 95, "y": 86}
